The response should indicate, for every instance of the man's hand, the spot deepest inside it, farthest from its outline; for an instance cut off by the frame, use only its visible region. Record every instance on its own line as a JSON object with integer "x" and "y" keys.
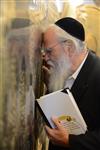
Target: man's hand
{"x": 46, "y": 71}
{"x": 59, "y": 135}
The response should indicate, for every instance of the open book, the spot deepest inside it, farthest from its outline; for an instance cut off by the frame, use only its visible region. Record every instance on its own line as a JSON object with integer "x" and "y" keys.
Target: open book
{"x": 62, "y": 104}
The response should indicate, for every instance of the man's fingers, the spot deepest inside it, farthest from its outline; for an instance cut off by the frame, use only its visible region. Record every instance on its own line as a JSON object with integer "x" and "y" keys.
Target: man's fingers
{"x": 46, "y": 69}
{"x": 49, "y": 131}
{"x": 56, "y": 122}
{"x": 47, "y": 128}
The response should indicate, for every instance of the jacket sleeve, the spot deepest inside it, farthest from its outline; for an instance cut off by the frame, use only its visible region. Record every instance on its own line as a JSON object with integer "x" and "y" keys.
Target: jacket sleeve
{"x": 88, "y": 141}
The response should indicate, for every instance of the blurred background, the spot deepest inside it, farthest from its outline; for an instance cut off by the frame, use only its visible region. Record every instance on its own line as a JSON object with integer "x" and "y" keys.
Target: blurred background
{"x": 21, "y": 21}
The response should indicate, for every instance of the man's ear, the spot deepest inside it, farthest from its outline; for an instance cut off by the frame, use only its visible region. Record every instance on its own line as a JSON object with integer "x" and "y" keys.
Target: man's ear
{"x": 70, "y": 48}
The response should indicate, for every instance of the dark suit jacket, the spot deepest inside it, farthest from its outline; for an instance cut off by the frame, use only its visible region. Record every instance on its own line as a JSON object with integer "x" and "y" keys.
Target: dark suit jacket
{"x": 86, "y": 91}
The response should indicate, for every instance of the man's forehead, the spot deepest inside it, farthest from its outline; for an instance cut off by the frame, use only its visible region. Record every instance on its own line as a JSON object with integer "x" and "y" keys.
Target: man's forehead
{"x": 50, "y": 36}
{"x": 49, "y": 32}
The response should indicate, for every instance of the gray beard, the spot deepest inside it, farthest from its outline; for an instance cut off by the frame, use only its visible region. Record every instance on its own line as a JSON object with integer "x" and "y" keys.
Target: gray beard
{"x": 59, "y": 73}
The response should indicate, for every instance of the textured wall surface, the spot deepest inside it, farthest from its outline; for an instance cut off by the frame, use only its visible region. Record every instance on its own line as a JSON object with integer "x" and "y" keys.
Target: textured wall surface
{"x": 21, "y": 125}
{"x": 21, "y": 85}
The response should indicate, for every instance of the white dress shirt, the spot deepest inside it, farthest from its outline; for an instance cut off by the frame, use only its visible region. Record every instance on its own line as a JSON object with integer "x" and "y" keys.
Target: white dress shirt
{"x": 69, "y": 82}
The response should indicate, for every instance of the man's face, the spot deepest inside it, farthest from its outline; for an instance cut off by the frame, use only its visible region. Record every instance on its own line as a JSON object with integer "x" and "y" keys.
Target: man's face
{"x": 57, "y": 60}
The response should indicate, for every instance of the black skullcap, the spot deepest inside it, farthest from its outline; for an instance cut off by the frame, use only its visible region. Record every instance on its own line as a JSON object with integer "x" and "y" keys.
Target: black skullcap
{"x": 72, "y": 26}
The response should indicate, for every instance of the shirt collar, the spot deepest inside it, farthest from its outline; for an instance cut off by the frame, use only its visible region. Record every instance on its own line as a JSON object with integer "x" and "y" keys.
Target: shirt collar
{"x": 75, "y": 74}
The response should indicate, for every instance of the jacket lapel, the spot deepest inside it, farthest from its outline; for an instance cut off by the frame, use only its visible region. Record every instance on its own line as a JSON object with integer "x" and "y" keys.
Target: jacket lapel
{"x": 81, "y": 83}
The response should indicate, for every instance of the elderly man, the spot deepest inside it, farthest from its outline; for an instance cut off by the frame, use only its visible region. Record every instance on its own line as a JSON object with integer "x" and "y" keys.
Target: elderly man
{"x": 70, "y": 64}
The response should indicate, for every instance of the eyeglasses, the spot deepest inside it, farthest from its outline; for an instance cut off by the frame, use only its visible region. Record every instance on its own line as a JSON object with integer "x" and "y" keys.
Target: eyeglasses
{"x": 50, "y": 48}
